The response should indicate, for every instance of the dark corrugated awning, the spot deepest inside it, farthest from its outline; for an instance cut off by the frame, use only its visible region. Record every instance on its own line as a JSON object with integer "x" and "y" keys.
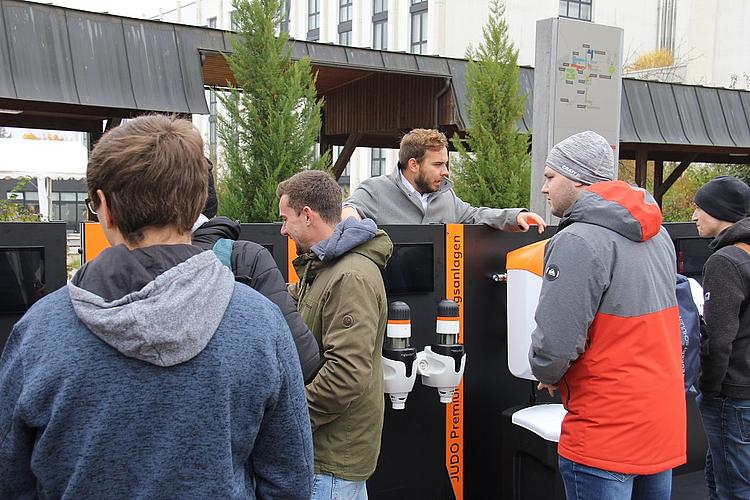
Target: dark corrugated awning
{"x": 664, "y": 113}
{"x": 65, "y": 56}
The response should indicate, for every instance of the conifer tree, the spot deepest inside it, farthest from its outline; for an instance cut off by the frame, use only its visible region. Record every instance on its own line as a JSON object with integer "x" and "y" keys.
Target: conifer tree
{"x": 271, "y": 119}
{"x": 496, "y": 171}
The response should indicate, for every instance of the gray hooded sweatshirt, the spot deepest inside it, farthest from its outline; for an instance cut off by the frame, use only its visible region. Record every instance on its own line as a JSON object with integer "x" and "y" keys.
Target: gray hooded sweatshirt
{"x": 153, "y": 375}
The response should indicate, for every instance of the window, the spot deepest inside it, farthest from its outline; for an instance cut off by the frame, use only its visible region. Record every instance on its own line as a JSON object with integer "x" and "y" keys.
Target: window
{"x": 377, "y": 162}
{"x": 285, "y": 17}
{"x": 576, "y": 9}
{"x": 418, "y": 11}
{"x": 345, "y": 10}
{"x": 313, "y": 20}
{"x": 29, "y": 199}
{"x": 211, "y": 22}
{"x": 380, "y": 24}
{"x": 345, "y": 22}
{"x": 665, "y": 32}
{"x": 233, "y": 20}
{"x": 68, "y": 206}
{"x": 345, "y": 38}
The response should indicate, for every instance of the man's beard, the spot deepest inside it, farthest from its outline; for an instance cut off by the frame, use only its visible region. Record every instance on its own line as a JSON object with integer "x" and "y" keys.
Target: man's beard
{"x": 422, "y": 185}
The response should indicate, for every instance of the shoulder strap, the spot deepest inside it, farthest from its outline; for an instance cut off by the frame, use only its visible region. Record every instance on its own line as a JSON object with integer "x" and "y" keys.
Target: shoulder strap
{"x": 743, "y": 246}
{"x": 223, "y": 250}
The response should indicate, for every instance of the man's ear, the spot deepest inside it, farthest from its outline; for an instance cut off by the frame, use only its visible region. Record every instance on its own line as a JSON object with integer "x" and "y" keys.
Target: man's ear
{"x": 103, "y": 212}
{"x": 309, "y": 214}
{"x": 412, "y": 165}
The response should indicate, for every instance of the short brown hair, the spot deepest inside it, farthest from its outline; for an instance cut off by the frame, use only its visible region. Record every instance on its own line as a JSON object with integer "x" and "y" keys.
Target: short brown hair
{"x": 315, "y": 189}
{"x": 415, "y": 143}
{"x": 153, "y": 173}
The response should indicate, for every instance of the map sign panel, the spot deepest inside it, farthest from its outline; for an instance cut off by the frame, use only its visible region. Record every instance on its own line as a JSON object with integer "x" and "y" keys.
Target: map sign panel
{"x": 587, "y": 80}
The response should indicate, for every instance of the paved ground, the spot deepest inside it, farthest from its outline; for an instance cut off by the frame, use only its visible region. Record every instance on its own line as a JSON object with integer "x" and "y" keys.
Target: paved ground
{"x": 689, "y": 487}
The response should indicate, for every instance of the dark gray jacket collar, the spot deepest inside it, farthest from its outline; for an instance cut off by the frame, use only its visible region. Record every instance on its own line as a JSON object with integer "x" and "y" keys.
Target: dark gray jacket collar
{"x": 737, "y": 232}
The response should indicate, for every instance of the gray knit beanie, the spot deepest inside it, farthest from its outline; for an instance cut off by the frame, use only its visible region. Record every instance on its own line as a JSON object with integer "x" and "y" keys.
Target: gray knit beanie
{"x": 585, "y": 157}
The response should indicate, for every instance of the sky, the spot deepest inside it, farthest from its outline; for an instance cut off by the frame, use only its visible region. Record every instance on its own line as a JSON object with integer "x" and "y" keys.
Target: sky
{"x": 130, "y": 8}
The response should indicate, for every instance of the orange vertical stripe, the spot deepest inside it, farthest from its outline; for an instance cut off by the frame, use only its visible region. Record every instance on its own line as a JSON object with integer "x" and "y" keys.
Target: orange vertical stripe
{"x": 291, "y": 254}
{"x": 454, "y": 411}
{"x": 93, "y": 241}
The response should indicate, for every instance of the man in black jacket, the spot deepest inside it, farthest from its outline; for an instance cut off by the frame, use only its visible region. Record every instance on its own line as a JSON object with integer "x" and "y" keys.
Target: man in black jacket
{"x": 724, "y": 402}
{"x": 253, "y": 265}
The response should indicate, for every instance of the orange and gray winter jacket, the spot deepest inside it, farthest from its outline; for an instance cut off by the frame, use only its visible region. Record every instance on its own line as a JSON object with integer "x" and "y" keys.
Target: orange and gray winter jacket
{"x": 608, "y": 333}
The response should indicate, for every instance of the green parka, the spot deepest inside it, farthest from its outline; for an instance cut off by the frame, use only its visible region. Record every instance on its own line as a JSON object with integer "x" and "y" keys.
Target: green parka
{"x": 342, "y": 300}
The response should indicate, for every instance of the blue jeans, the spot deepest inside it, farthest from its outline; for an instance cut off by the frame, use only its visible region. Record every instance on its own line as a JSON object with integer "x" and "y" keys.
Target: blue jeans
{"x": 589, "y": 483}
{"x": 727, "y": 425}
{"x": 328, "y": 487}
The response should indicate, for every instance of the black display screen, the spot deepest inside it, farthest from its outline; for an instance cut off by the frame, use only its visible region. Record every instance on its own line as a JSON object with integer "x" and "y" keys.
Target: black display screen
{"x": 692, "y": 253}
{"x": 22, "y": 278}
{"x": 411, "y": 269}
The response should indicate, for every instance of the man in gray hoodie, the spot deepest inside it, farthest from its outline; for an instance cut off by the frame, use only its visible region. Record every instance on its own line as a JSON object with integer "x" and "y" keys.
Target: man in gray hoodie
{"x": 724, "y": 401}
{"x": 153, "y": 374}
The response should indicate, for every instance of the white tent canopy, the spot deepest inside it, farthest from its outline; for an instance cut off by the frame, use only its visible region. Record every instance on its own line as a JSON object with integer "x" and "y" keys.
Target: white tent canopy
{"x": 44, "y": 160}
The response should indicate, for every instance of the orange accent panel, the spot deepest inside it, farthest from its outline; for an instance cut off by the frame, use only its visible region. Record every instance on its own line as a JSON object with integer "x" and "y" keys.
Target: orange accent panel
{"x": 291, "y": 254}
{"x": 529, "y": 258}
{"x": 454, "y": 411}
{"x": 447, "y": 318}
{"x": 399, "y": 322}
{"x": 93, "y": 241}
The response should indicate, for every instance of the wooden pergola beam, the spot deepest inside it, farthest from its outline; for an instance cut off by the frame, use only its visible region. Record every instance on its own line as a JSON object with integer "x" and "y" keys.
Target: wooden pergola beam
{"x": 351, "y": 144}
{"x": 641, "y": 164}
{"x": 669, "y": 181}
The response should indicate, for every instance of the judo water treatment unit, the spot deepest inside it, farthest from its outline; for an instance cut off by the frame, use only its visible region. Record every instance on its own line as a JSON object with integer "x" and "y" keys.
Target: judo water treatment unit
{"x": 504, "y": 451}
{"x": 441, "y": 365}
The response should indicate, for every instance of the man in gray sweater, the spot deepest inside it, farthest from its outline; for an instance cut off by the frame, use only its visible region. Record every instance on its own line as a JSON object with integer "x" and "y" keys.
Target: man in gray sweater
{"x": 420, "y": 192}
{"x": 724, "y": 402}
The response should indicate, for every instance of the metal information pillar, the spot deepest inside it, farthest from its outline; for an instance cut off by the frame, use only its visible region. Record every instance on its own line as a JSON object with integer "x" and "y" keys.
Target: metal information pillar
{"x": 577, "y": 87}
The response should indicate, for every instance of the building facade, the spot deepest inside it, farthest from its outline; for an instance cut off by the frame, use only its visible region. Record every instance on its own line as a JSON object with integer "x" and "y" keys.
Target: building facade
{"x": 704, "y": 39}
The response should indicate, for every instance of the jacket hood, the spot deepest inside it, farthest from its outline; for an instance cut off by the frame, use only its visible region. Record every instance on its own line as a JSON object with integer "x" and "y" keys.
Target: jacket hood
{"x": 213, "y": 230}
{"x": 347, "y": 234}
{"x": 618, "y": 206}
{"x": 354, "y": 237}
{"x": 160, "y": 304}
{"x": 739, "y": 231}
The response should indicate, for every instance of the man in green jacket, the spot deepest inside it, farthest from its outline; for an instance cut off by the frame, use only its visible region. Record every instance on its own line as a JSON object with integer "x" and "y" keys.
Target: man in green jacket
{"x": 341, "y": 298}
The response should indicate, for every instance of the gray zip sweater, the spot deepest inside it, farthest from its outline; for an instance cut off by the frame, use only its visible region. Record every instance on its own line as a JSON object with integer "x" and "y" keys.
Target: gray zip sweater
{"x": 725, "y": 346}
{"x": 386, "y": 200}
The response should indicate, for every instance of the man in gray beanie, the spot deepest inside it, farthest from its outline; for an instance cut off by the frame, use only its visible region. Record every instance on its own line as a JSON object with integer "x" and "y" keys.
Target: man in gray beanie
{"x": 608, "y": 333}
{"x": 585, "y": 157}
{"x": 724, "y": 403}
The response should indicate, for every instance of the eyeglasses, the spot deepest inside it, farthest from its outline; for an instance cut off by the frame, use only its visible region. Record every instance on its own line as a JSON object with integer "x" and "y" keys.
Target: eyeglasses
{"x": 90, "y": 206}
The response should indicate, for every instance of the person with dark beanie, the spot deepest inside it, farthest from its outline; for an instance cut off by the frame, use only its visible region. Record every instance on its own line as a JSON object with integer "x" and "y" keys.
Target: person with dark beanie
{"x": 253, "y": 265}
{"x": 724, "y": 403}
